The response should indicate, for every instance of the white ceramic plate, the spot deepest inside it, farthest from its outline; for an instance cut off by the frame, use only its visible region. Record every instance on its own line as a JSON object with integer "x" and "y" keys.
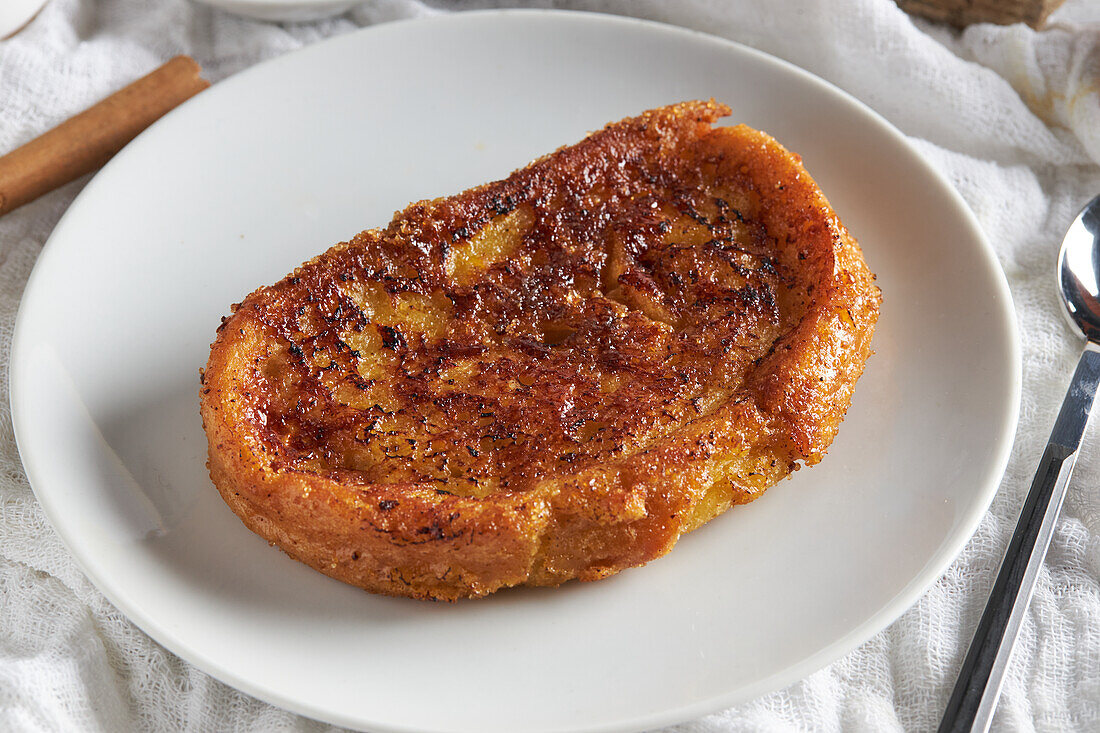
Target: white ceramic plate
{"x": 270, "y": 167}
{"x": 285, "y": 10}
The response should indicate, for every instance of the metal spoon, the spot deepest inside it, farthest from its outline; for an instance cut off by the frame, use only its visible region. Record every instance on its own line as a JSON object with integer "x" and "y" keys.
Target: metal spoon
{"x": 975, "y": 696}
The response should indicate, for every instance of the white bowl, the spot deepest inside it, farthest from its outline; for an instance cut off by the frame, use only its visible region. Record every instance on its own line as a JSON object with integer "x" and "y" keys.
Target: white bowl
{"x": 281, "y": 10}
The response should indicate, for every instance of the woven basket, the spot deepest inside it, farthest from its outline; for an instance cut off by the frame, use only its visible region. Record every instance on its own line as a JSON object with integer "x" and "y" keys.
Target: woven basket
{"x": 964, "y": 12}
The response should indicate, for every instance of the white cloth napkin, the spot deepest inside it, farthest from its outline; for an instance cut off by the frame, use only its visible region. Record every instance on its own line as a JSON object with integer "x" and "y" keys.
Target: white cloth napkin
{"x": 1011, "y": 116}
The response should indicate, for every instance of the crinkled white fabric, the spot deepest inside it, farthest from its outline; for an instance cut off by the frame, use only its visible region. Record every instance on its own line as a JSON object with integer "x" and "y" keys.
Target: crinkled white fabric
{"x": 1011, "y": 116}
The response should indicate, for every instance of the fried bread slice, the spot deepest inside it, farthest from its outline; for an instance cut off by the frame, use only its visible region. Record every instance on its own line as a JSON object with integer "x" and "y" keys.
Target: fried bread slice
{"x": 548, "y": 377}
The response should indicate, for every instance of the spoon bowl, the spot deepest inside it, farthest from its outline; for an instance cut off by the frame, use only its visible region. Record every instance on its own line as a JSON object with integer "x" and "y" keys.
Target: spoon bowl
{"x": 1079, "y": 272}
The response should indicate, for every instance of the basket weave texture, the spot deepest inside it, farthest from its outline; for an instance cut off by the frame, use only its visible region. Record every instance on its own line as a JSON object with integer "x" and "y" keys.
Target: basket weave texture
{"x": 964, "y": 12}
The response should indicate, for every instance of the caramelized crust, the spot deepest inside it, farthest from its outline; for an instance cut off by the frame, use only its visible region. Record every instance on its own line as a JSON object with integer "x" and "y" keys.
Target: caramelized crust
{"x": 548, "y": 377}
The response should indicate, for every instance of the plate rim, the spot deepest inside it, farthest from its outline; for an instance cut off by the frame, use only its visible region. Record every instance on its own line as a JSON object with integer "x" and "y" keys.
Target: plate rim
{"x": 911, "y": 592}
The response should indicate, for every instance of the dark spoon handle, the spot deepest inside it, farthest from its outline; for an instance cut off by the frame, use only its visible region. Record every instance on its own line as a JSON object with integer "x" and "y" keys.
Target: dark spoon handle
{"x": 975, "y": 695}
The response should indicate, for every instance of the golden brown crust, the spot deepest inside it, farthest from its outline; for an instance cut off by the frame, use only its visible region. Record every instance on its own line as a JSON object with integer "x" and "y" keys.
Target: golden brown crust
{"x": 547, "y": 377}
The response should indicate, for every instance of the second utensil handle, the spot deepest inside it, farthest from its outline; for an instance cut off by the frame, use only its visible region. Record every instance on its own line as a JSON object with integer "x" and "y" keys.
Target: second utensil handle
{"x": 975, "y": 695}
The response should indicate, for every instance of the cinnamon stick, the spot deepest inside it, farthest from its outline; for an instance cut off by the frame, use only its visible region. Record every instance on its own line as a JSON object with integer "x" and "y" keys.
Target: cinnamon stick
{"x": 88, "y": 140}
